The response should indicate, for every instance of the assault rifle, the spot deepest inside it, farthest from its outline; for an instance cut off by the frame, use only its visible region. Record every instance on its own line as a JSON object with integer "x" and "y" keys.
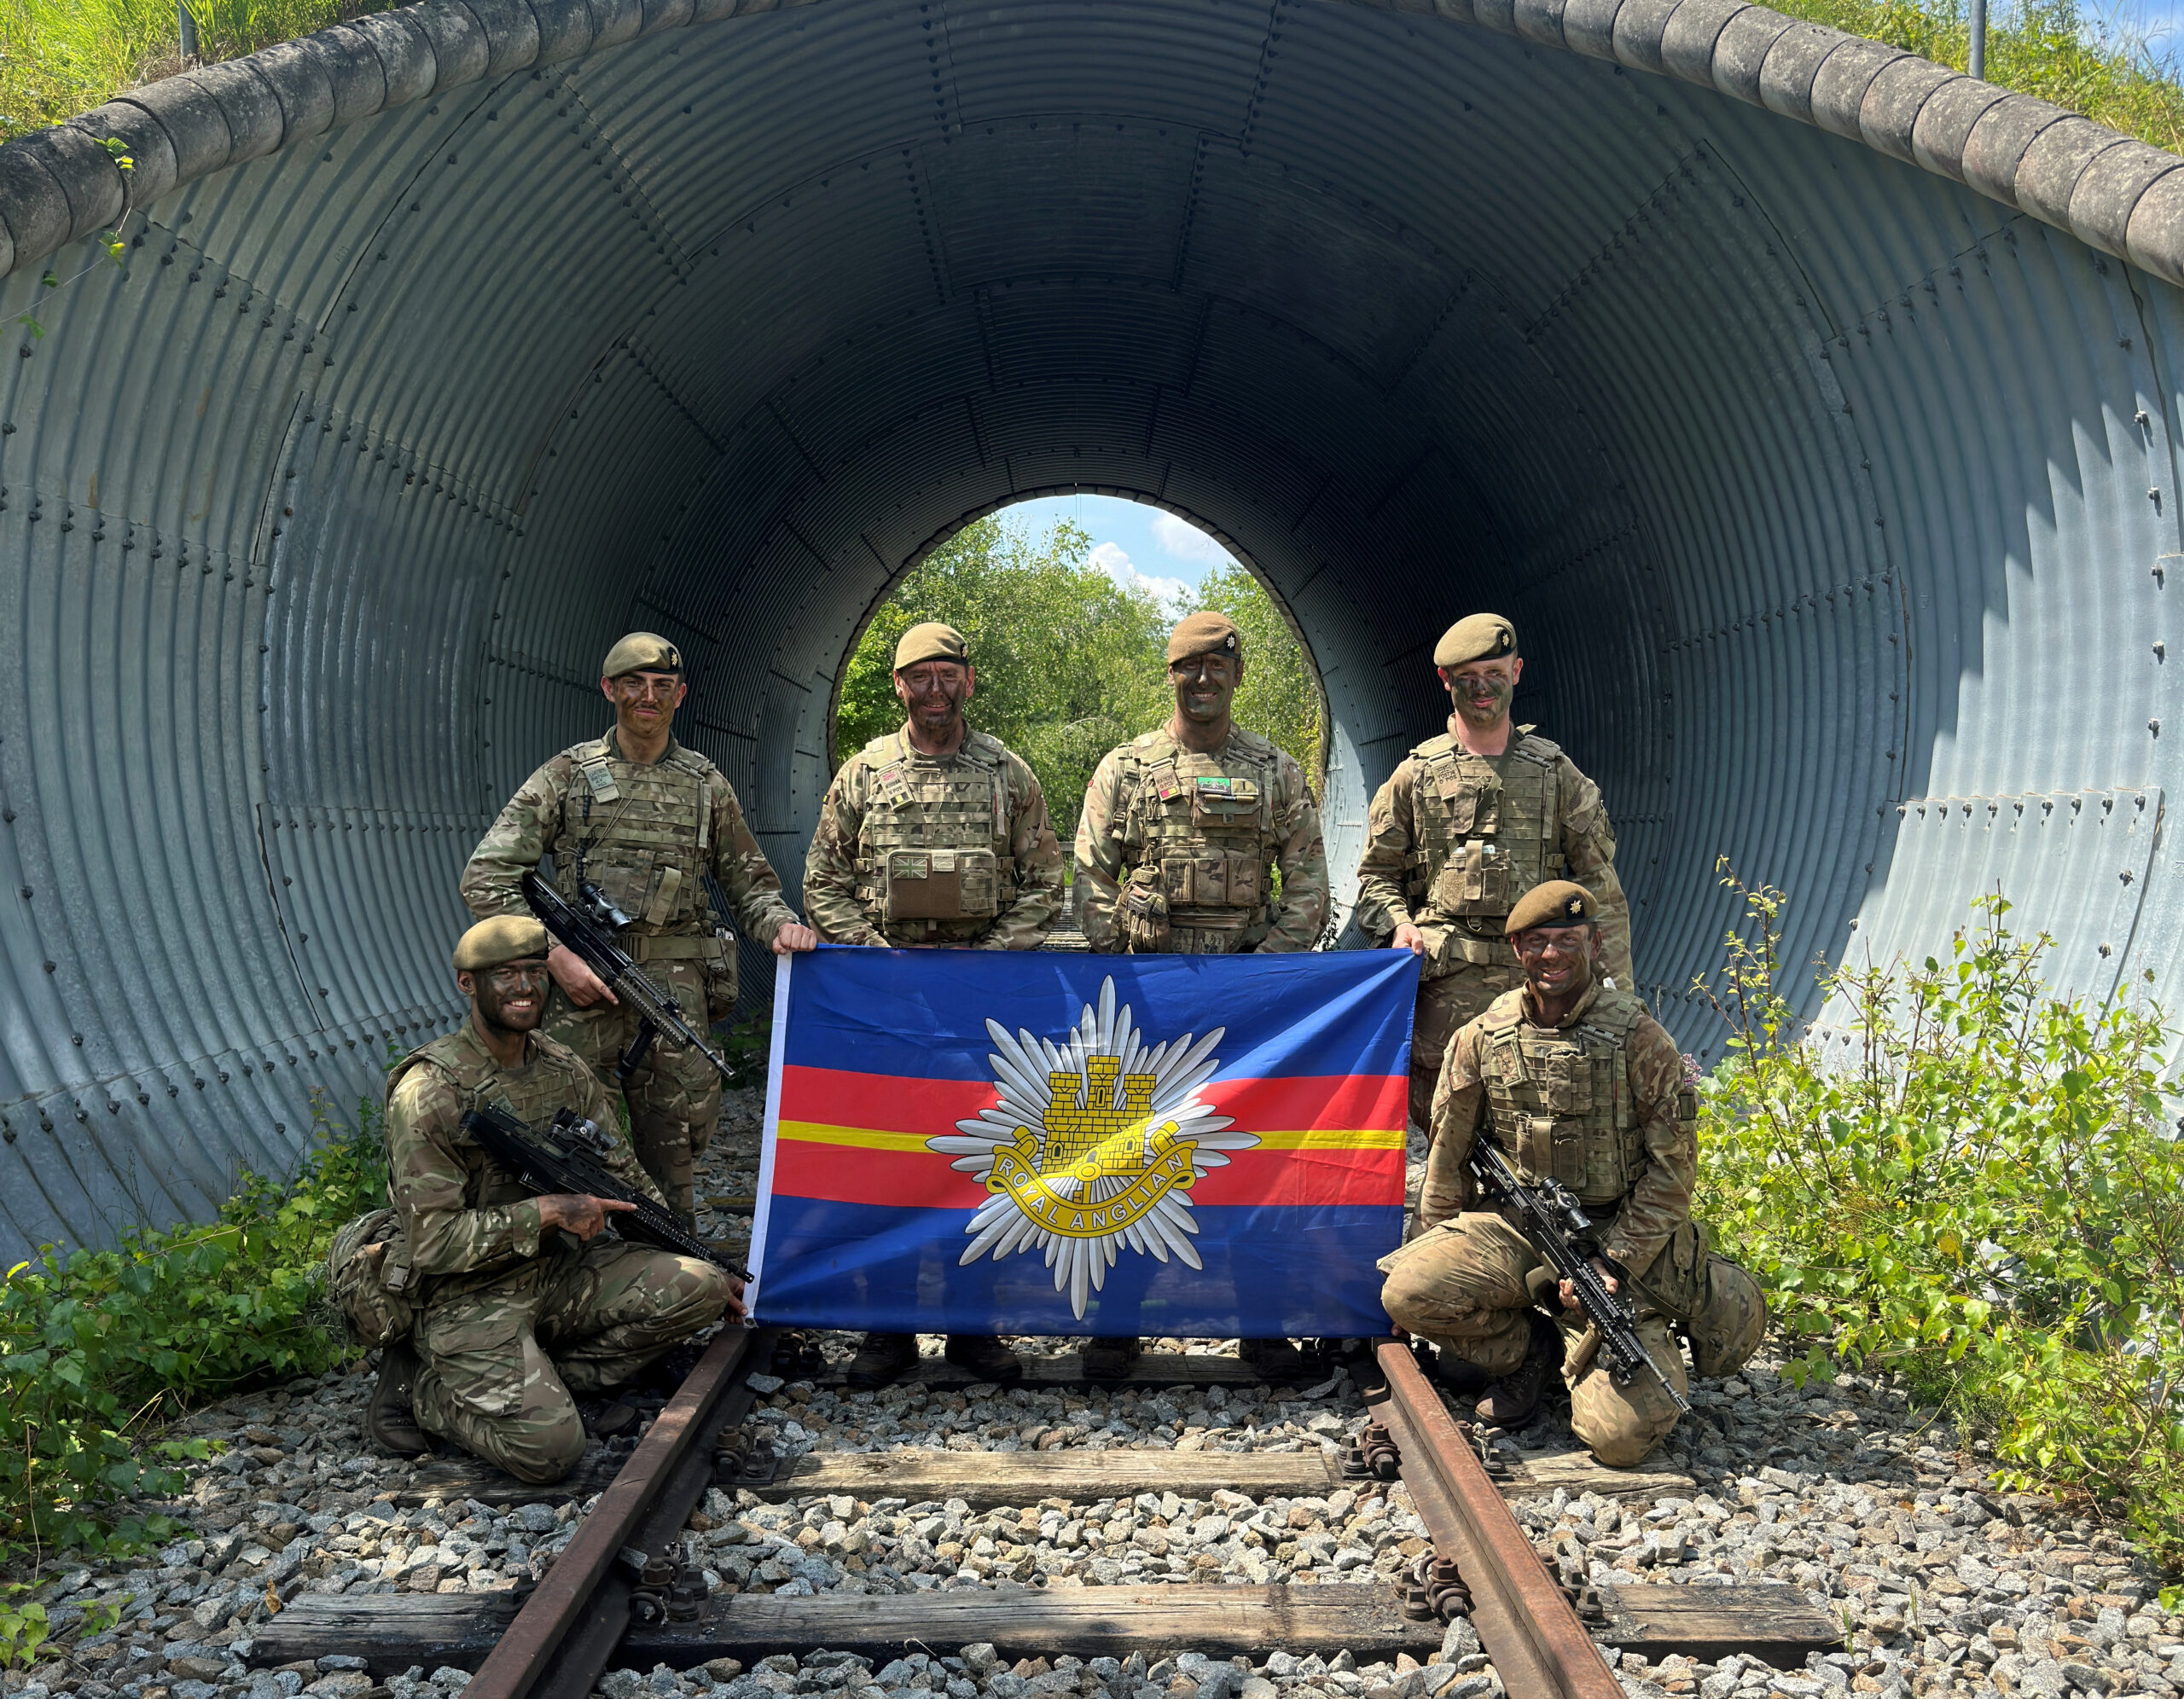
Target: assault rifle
{"x": 591, "y": 936}
{"x": 563, "y": 1156}
{"x": 1560, "y": 1232}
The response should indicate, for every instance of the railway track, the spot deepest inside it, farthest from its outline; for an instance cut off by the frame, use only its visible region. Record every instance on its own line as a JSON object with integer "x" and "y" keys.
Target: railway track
{"x": 617, "y": 1595}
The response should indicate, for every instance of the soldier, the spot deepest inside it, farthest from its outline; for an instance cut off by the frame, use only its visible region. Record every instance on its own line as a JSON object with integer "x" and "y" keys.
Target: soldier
{"x": 644, "y": 819}
{"x": 934, "y": 835}
{"x": 1572, "y": 1079}
{"x": 1468, "y": 822}
{"x": 1180, "y": 830}
{"x": 519, "y": 1303}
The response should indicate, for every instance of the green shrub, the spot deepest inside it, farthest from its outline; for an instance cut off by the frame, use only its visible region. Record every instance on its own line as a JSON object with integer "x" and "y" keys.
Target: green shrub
{"x": 99, "y": 1348}
{"x": 1980, "y": 1192}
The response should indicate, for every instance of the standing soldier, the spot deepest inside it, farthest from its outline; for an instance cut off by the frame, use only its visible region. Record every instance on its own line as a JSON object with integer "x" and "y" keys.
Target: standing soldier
{"x": 934, "y": 835}
{"x": 1468, "y": 822}
{"x": 1182, "y": 831}
{"x": 645, "y": 820}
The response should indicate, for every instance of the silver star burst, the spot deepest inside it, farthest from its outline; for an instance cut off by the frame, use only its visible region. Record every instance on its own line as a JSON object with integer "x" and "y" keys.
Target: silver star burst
{"x": 1020, "y": 1067}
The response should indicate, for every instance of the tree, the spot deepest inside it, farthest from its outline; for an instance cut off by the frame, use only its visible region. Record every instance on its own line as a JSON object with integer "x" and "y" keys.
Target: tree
{"x": 1070, "y": 663}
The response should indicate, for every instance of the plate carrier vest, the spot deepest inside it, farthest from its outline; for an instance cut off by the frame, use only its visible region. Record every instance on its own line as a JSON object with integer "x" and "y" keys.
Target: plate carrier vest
{"x": 933, "y": 858}
{"x": 1561, "y": 1098}
{"x": 1483, "y": 837}
{"x": 1210, "y": 836}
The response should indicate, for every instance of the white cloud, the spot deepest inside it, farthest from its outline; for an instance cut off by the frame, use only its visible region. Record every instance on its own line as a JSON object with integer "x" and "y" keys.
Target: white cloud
{"x": 1179, "y": 539}
{"x": 1113, "y": 558}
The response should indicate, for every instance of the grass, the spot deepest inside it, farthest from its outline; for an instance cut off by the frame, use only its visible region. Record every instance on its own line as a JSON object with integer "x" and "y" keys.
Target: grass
{"x": 61, "y": 57}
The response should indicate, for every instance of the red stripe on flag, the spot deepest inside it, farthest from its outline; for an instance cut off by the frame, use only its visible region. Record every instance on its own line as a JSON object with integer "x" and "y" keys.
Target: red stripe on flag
{"x": 888, "y": 1103}
{"x": 909, "y": 1180}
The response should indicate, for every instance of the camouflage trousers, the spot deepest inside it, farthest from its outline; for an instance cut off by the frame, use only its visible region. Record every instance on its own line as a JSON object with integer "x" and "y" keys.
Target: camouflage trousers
{"x": 501, "y": 1363}
{"x": 673, "y": 1094}
{"x": 1463, "y": 1286}
{"x": 1454, "y": 1001}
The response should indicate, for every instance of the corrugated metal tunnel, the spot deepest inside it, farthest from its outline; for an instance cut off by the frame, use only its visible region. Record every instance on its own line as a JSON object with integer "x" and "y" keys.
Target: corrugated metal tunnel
{"x": 1833, "y": 498}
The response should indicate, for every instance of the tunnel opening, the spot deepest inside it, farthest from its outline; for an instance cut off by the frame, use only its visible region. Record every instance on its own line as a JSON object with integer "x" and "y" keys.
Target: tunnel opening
{"x": 1814, "y": 469}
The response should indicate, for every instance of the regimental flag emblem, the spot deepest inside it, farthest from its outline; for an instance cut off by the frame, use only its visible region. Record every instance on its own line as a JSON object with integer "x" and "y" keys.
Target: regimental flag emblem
{"x": 975, "y": 1141}
{"x": 1094, "y": 1146}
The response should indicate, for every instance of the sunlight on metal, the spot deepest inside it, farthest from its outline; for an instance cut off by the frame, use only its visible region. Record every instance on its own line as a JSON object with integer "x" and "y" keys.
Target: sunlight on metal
{"x": 1757, "y": 373}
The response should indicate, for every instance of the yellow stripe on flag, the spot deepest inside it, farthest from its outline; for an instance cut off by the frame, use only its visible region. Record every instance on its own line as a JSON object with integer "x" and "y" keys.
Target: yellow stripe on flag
{"x": 1309, "y": 1138}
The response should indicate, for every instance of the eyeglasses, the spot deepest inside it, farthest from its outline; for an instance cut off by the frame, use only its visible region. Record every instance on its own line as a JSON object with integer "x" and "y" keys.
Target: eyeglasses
{"x": 641, "y": 685}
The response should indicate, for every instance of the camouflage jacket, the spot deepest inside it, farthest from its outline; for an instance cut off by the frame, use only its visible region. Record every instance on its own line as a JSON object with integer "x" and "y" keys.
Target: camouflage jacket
{"x": 650, "y": 856}
{"x": 890, "y": 807}
{"x": 1138, "y": 809}
{"x": 466, "y": 1219}
{"x": 1397, "y": 873}
{"x": 1651, "y": 1091}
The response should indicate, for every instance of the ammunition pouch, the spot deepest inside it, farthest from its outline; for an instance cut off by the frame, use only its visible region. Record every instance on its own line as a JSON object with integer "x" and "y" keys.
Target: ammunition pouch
{"x": 1142, "y": 913}
{"x": 368, "y": 1277}
{"x": 939, "y": 884}
{"x": 1205, "y": 876}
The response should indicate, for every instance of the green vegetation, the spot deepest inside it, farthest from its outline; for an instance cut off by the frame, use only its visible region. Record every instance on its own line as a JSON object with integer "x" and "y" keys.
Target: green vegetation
{"x": 61, "y": 57}
{"x": 1980, "y": 1192}
{"x": 1069, "y": 663}
{"x": 98, "y": 1349}
{"x": 2049, "y": 48}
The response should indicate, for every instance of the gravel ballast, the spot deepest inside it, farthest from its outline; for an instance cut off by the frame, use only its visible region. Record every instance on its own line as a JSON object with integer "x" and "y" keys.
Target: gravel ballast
{"x": 1884, "y": 1519}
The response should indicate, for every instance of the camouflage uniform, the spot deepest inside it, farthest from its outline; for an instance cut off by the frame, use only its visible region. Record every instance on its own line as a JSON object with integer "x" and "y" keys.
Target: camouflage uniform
{"x": 915, "y": 849}
{"x": 1188, "y": 839}
{"x": 1599, "y": 1102}
{"x": 645, "y": 835}
{"x": 1453, "y": 841}
{"x": 511, "y": 1321}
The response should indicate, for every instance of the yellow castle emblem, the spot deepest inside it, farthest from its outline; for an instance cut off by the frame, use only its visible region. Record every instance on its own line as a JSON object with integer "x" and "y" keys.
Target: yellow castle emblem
{"x": 1096, "y": 1162}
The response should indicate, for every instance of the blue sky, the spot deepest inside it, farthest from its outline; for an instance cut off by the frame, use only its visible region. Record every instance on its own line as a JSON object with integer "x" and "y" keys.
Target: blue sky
{"x": 1136, "y": 544}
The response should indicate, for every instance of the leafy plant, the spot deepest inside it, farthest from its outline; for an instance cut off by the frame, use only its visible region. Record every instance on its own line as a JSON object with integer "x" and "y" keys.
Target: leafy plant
{"x": 23, "y": 1628}
{"x": 96, "y": 1347}
{"x": 1974, "y": 1185}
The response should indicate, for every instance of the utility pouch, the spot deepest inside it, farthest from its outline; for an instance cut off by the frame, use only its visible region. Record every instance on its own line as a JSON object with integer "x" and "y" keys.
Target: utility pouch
{"x": 720, "y": 968}
{"x": 1142, "y": 913}
{"x": 939, "y": 884}
{"x": 368, "y": 1277}
{"x": 1476, "y": 880}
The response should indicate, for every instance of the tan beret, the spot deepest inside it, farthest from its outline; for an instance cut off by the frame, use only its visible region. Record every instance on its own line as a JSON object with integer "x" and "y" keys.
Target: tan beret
{"x": 1559, "y": 902}
{"x": 1204, "y": 633}
{"x": 642, "y": 652}
{"x": 1480, "y": 637}
{"x": 504, "y": 938}
{"x": 932, "y": 642}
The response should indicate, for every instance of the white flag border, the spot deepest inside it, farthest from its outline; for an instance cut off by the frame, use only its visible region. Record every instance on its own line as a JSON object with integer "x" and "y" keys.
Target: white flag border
{"x": 776, "y": 1048}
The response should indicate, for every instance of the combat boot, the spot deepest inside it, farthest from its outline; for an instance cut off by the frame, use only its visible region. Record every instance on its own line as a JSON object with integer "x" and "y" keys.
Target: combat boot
{"x": 1110, "y": 1359}
{"x": 1514, "y": 1400}
{"x": 883, "y": 1357}
{"x": 984, "y": 1356}
{"x": 1460, "y": 1375}
{"x": 1271, "y": 1360}
{"x": 389, "y": 1418}
{"x": 604, "y": 1418}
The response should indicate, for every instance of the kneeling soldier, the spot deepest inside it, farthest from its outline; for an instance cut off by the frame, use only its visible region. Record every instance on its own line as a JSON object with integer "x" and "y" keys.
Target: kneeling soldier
{"x": 1183, "y": 833}
{"x": 1575, "y": 1081}
{"x": 519, "y": 1303}
{"x": 934, "y": 835}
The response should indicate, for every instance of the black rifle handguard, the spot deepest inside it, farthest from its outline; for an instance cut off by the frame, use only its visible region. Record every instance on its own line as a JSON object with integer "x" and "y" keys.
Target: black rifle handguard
{"x": 1558, "y": 1228}
{"x": 596, "y": 944}
{"x": 554, "y": 1159}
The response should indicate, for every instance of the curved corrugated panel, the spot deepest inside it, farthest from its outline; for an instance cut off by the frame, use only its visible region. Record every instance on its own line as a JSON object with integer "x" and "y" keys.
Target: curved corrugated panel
{"x": 1836, "y": 501}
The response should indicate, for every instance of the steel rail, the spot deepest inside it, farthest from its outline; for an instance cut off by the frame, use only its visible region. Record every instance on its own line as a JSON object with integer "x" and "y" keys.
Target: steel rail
{"x": 579, "y": 1597}
{"x": 1539, "y": 1647}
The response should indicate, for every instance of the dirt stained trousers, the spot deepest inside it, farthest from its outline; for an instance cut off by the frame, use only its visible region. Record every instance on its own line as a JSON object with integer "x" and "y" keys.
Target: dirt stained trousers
{"x": 501, "y": 1365}
{"x": 1463, "y": 1287}
{"x": 1454, "y": 1001}
{"x": 673, "y": 1094}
